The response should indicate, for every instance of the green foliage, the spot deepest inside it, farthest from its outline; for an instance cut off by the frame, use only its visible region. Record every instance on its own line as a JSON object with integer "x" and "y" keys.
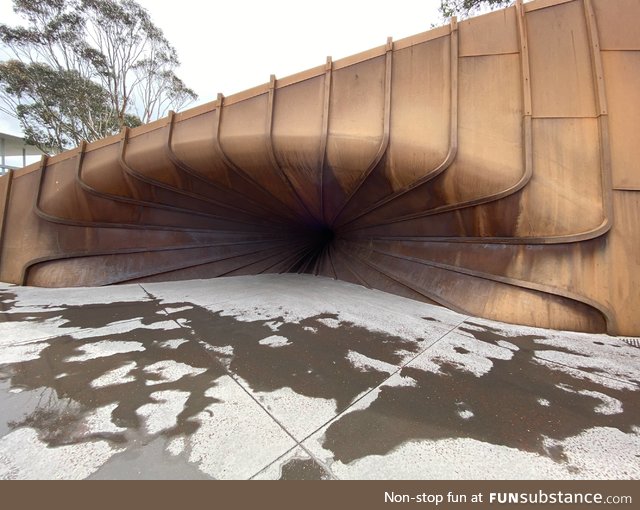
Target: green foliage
{"x": 466, "y": 8}
{"x": 57, "y": 108}
{"x": 83, "y": 69}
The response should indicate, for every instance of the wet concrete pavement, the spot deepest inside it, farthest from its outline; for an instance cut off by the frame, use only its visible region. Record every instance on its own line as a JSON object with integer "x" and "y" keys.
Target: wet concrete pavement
{"x": 297, "y": 377}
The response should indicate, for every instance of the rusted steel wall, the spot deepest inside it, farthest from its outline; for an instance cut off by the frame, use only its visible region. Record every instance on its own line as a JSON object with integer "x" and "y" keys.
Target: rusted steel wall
{"x": 490, "y": 166}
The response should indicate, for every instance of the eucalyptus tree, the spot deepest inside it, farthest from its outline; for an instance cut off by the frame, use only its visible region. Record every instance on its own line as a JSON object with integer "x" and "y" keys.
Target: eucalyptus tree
{"x": 466, "y": 8}
{"x": 83, "y": 69}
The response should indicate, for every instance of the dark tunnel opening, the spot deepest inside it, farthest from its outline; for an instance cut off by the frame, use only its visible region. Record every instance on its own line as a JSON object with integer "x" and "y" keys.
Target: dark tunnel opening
{"x": 317, "y": 243}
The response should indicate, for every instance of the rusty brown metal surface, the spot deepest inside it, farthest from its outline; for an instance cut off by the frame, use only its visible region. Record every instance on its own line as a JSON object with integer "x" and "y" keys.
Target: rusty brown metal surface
{"x": 490, "y": 166}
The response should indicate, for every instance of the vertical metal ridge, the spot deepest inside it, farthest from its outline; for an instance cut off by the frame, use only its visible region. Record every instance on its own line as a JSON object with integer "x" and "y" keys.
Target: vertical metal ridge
{"x": 527, "y": 140}
{"x": 328, "y": 74}
{"x": 386, "y": 131}
{"x": 524, "y": 57}
{"x": 181, "y": 165}
{"x": 596, "y": 58}
{"x": 603, "y": 115}
{"x": 217, "y": 123}
{"x": 126, "y": 171}
{"x": 175, "y": 160}
{"x": 525, "y": 76}
{"x": 273, "y": 159}
{"x": 36, "y": 203}
{"x": 453, "y": 132}
{"x": 6, "y": 196}
{"x": 132, "y": 173}
{"x": 454, "y": 90}
{"x": 22, "y": 279}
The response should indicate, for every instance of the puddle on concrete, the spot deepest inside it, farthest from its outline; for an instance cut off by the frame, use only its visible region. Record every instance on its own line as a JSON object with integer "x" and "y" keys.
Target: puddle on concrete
{"x": 80, "y": 316}
{"x": 148, "y": 462}
{"x": 59, "y": 420}
{"x": 78, "y": 375}
{"x": 519, "y": 403}
{"x": 16, "y": 404}
{"x": 303, "y": 469}
{"x": 72, "y": 381}
{"x": 314, "y": 361}
{"x": 493, "y": 336}
{"x": 8, "y": 301}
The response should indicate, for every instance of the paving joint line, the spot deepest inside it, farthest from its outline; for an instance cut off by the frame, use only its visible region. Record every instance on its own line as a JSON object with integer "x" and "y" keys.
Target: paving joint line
{"x": 313, "y": 457}
{"x": 298, "y": 443}
{"x": 273, "y": 462}
{"x": 599, "y": 374}
{"x": 399, "y": 369}
{"x": 233, "y": 376}
{"x": 321, "y": 463}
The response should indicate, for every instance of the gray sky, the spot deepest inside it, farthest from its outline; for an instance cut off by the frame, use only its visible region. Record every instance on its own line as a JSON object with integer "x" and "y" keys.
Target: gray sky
{"x": 236, "y": 44}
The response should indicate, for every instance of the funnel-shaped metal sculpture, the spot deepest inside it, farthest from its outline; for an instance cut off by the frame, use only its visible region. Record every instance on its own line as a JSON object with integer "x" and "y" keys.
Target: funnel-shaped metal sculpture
{"x": 489, "y": 166}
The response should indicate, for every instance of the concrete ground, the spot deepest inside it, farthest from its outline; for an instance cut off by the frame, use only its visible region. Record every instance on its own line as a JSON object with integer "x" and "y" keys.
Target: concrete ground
{"x": 290, "y": 377}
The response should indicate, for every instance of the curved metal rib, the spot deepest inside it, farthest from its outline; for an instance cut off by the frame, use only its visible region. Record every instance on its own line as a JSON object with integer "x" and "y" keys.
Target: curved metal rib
{"x": 605, "y": 155}
{"x": 191, "y": 172}
{"x": 386, "y": 130}
{"x": 236, "y": 169}
{"x": 453, "y": 135}
{"x": 273, "y": 159}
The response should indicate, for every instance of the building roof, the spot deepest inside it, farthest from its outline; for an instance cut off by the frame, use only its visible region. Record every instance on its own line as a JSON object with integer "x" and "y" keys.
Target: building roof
{"x": 13, "y": 146}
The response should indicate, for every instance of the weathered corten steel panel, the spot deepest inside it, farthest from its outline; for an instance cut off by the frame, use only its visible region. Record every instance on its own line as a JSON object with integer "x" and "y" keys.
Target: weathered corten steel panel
{"x": 490, "y": 166}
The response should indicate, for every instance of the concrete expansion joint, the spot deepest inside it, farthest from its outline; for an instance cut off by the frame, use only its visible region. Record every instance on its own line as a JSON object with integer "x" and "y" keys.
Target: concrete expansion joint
{"x": 236, "y": 379}
{"x": 391, "y": 375}
{"x": 300, "y": 442}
